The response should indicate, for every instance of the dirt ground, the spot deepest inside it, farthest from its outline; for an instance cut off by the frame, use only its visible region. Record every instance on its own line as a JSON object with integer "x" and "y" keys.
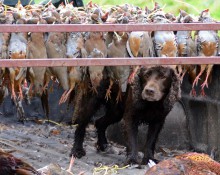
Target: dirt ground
{"x": 41, "y": 144}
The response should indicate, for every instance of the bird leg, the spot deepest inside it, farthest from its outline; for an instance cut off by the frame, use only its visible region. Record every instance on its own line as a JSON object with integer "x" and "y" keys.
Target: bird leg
{"x": 62, "y": 97}
{"x": 71, "y": 164}
{"x": 205, "y": 83}
{"x": 30, "y": 90}
{"x": 63, "y": 100}
{"x": 45, "y": 87}
{"x": 18, "y": 84}
{"x": 83, "y": 86}
{"x": 198, "y": 76}
{"x": 47, "y": 78}
{"x": 108, "y": 92}
{"x": 202, "y": 93}
{"x": 31, "y": 85}
{"x": 181, "y": 70}
{"x": 193, "y": 92}
{"x": 182, "y": 76}
{"x": 20, "y": 109}
{"x": 131, "y": 77}
{"x": 20, "y": 93}
{"x": 12, "y": 81}
{"x": 13, "y": 95}
{"x": 94, "y": 90}
{"x": 119, "y": 96}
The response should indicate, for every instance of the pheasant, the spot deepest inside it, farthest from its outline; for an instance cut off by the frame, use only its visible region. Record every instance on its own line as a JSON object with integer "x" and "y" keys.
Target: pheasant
{"x": 188, "y": 163}
{"x": 186, "y": 46}
{"x": 207, "y": 45}
{"x": 11, "y": 165}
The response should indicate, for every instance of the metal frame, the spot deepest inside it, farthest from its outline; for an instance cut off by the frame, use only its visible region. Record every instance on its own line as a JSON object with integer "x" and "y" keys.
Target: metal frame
{"x": 51, "y": 62}
{"x": 106, "y": 27}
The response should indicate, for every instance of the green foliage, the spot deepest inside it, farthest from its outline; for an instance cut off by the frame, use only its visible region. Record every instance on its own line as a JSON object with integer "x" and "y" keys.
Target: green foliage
{"x": 173, "y": 6}
{"x": 191, "y": 6}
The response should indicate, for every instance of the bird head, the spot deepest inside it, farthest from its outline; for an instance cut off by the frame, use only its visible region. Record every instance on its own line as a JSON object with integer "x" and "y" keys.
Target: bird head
{"x": 96, "y": 72}
{"x": 96, "y": 16}
{"x": 159, "y": 17}
{"x": 184, "y": 17}
{"x": 205, "y": 16}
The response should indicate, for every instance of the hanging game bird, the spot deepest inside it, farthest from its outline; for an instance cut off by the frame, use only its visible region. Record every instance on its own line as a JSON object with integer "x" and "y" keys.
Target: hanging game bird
{"x": 96, "y": 48}
{"x": 207, "y": 45}
{"x": 186, "y": 46}
{"x": 164, "y": 41}
{"x": 118, "y": 74}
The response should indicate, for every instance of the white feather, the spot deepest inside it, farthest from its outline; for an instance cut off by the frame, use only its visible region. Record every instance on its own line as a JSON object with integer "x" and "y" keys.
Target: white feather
{"x": 151, "y": 163}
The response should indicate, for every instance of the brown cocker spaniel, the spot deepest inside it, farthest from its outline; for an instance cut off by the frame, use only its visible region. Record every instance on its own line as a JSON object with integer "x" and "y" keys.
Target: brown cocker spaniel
{"x": 151, "y": 97}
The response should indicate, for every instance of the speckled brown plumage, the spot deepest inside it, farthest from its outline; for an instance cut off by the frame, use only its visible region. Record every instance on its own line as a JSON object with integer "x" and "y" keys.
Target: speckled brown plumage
{"x": 188, "y": 163}
{"x": 10, "y": 165}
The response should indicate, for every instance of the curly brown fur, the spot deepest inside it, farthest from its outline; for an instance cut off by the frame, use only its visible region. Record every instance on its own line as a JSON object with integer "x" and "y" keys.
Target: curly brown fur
{"x": 149, "y": 109}
{"x": 86, "y": 105}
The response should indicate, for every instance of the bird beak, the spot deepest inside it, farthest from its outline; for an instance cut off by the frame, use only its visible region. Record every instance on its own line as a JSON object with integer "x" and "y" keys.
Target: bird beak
{"x": 206, "y": 10}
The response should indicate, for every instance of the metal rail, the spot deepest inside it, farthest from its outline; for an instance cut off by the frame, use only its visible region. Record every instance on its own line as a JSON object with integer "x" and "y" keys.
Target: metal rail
{"x": 107, "y": 27}
{"x": 107, "y": 61}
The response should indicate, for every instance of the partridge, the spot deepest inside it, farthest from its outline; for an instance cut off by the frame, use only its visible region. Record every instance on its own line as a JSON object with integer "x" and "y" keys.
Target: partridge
{"x": 95, "y": 72}
{"x": 56, "y": 48}
{"x": 37, "y": 49}
{"x": 119, "y": 74}
{"x": 186, "y": 46}
{"x": 75, "y": 49}
{"x": 207, "y": 45}
{"x": 164, "y": 41}
{"x": 139, "y": 44}
{"x": 4, "y": 41}
{"x": 95, "y": 47}
{"x": 17, "y": 49}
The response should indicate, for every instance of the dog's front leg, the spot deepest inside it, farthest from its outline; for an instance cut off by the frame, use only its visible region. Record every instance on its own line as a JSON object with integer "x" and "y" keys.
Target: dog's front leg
{"x": 152, "y": 135}
{"x": 131, "y": 131}
{"x": 84, "y": 110}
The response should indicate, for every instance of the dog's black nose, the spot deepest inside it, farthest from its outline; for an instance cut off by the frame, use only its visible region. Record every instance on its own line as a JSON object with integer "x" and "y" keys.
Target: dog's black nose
{"x": 149, "y": 91}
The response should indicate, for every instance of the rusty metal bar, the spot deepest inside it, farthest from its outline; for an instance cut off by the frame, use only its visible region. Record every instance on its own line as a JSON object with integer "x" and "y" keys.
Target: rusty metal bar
{"x": 107, "y": 27}
{"x": 107, "y": 61}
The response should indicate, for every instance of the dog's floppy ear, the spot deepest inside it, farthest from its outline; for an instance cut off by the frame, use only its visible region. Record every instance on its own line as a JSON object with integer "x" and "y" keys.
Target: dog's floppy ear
{"x": 136, "y": 85}
{"x": 174, "y": 93}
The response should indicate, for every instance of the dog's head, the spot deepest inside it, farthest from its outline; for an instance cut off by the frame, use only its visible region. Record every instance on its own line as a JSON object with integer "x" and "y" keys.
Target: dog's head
{"x": 155, "y": 82}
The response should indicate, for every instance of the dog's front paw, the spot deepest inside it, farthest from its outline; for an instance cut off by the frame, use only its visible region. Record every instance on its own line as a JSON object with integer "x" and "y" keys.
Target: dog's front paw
{"x": 78, "y": 152}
